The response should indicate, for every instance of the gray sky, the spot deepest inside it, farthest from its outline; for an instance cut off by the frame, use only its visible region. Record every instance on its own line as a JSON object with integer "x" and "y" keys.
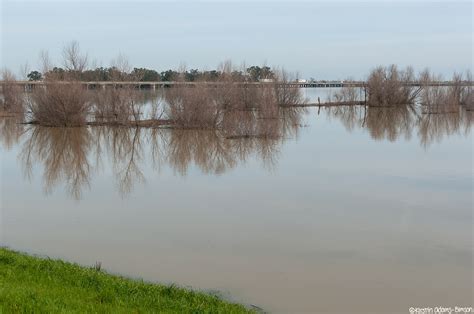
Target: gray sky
{"x": 319, "y": 39}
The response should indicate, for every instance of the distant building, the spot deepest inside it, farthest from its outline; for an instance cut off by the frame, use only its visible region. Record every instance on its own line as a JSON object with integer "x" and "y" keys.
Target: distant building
{"x": 301, "y": 81}
{"x": 266, "y": 80}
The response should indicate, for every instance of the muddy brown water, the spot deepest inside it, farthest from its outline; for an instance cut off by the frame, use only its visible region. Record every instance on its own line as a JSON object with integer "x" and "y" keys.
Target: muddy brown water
{"x": 353, "y": 210}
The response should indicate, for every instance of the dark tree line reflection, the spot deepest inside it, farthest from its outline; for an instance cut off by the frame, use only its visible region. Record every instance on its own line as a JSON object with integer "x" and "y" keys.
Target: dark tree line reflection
{"x": 72, "y": 156}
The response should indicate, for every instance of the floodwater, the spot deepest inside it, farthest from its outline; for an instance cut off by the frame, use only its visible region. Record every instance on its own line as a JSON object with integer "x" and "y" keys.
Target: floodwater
{"x": 353, "y": 210}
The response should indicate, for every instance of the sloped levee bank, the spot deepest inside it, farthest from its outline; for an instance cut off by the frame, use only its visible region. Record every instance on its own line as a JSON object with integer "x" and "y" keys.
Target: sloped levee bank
{"x": 32, "y": 284}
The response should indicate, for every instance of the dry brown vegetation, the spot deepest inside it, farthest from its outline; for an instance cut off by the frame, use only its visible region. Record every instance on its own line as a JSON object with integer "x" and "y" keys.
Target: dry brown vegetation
{"x": 388, "y": 86}
{"x": 467, "y": 95}
{"x": 445, "y": 99}
{"x": 287, "y": 95}
{"x": 230, "y": 103}
{"x": 63, "y": 101}
{"x": 193, "y": 107}
{"x": 59, "y": 105}
{"x": 117, "y": 106}
{"x": 347, "y": 95}
{"x": 13, "y": 101}
{"x": 215, "y": 124}
{"x": 227, "y": 109}
{"x": 232, "y": 106}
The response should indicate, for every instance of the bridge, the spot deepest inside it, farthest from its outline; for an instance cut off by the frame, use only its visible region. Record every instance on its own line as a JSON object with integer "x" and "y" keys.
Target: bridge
{"x": 28, "y": 85}
{"x": 164, "y": 84}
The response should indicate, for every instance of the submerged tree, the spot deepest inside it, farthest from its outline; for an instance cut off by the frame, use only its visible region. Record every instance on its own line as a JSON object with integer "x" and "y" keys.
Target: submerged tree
{"x": 444, "y": 99}
{"x": 13, "y": 99}
{"x": 388, "y": 86}
{"x": 61, "y": 103}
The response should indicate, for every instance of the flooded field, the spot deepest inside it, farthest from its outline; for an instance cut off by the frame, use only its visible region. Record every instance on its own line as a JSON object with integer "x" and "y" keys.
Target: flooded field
{"x": 349, "y": 209}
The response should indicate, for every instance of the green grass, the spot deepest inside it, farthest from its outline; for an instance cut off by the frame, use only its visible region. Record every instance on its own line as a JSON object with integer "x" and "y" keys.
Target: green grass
{"x": 31, "y": 284}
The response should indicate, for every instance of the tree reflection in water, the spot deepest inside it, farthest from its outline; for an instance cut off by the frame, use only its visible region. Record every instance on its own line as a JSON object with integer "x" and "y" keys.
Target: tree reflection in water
{"x": 11, "y": 130}
{"x": 391, "y": 123}
{"x": 63, "y": 153}
{"x": 71, "y": 156}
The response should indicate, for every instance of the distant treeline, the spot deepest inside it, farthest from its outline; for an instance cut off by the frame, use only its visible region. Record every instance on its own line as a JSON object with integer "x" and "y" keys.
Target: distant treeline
{"x": 104, "y": 74}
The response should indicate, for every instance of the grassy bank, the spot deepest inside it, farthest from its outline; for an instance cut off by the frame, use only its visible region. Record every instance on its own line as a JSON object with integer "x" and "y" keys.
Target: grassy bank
{"x": 32, "y": 284}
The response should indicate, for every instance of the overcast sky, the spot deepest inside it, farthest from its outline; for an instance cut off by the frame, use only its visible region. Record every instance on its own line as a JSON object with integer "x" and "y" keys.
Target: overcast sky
{"x": 320, "y": 39}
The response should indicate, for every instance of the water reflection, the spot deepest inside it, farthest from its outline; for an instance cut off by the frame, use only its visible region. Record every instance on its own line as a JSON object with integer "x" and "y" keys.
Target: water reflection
{"x": 392, "y": 123}
{"x": 10, "y": 132}
{"x": 63, "y": 155}
{"x": 124, "y": 146}
{"x": 74, "y": 155}
{"x": 71, "y": 156}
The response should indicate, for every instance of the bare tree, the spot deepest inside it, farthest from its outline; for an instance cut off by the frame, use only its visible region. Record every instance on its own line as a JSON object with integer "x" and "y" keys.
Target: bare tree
{"x": 445, "y": 99}
{"x": 73, "y": 59}
{"x": 122, "y": 67}
{"x": 192, "y": 107}
{"x": 349, "y": 95}
{"x": 117, "y": 106}
{"x": 59, "y": 105}
{"x": 13, "y": 98}
{"x": 467, "y": 95}
{"x": 388, "y": 86}
{"x": 286, "y": 94}
{"x": 24, "y": 71}
{"x": 45, "y": 61}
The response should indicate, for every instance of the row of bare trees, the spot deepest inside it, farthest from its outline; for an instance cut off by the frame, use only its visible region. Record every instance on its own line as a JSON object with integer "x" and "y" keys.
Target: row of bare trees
{"x": 440, "y": 99}
{"x": 239, "y": 110}
{"x": 390, "y": 86}
{"x": 228, "y": 104}
{"x": 63, "y": 100}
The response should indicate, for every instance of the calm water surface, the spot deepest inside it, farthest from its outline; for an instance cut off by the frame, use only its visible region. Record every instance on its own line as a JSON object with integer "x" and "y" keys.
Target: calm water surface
{"x": 352, "y": 211}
